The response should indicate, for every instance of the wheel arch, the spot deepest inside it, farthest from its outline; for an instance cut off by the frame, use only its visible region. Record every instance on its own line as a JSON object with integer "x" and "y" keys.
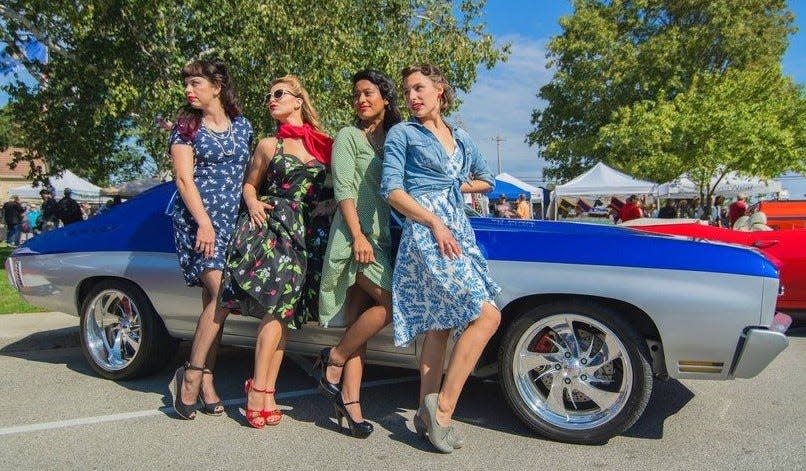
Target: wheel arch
{"x": 85, "y": 286}
{"x": 628, "y": 313}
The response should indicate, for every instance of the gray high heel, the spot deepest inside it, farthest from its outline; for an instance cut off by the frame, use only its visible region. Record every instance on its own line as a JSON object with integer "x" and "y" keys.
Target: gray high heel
{"x": 455, "y": 438}
{"x": 437, "y": 434}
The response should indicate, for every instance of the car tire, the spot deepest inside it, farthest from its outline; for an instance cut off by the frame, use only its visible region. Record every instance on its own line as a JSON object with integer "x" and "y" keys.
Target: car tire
{"x": 122, "y": 336}
{"x": 574, "y": 371}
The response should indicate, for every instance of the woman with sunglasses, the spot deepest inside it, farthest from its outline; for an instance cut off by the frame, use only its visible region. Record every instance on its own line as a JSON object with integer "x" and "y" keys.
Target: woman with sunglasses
{"x": 209, "y": 146}
{"x": 269, "y": 273}
{"x": 441, "y": 280}
{"x": 357, "y": 275}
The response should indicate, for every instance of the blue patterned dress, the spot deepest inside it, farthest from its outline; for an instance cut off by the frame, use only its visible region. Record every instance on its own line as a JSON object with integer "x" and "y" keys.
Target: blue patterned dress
{"x": 220, "y": 163}
{"x": 429, "y": 291}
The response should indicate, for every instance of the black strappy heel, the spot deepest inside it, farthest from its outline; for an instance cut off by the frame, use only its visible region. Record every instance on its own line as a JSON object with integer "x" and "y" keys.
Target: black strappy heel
{"x": 185, "y": 411}
{"x": 213, "y": 408}
{"x": 327, "y": 388}
{"x": 357, "y": 429}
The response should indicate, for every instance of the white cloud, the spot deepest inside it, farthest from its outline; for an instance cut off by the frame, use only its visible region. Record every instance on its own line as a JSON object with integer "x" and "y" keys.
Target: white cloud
{"x": 501, "y": 103}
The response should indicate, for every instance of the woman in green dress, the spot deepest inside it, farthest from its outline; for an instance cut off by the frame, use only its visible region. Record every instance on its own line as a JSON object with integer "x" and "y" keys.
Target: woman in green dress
{"x": 357, "y": 273}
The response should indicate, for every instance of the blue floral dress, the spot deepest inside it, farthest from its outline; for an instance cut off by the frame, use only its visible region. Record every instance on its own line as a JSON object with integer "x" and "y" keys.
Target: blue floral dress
{"x": 429, "y": 291}
{"x": 220, "y": 163}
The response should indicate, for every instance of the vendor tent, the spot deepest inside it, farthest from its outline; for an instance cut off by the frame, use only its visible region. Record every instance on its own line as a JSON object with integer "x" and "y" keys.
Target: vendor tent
{"x": 731, "y": 185}
{"x": 537, "y": 193}
{"x": 602, "y": 180}
{"x": 81, "y": 189}
{"x": 131, "y": 188}
{"x": 507, "y": 189}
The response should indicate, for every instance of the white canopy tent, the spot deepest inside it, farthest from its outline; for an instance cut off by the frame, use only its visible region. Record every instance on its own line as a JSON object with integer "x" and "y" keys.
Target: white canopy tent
{"x": 602, "y": 180}
{"x": 131, "y": 188}
{"x": 730, "y": 186}
{"x": 81, "y": 190}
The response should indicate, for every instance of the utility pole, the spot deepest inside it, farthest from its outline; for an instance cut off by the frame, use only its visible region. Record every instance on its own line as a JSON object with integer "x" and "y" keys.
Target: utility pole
{"x": 498, "y": 140}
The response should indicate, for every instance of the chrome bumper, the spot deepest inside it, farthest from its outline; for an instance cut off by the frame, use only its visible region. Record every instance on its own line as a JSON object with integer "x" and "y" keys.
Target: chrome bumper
{"x": 760, "y": 347}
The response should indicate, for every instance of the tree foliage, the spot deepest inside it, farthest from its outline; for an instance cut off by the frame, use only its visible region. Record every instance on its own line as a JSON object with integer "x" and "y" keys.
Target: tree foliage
{"x": 114, "y": 65}
{"x": 662, "y": 87}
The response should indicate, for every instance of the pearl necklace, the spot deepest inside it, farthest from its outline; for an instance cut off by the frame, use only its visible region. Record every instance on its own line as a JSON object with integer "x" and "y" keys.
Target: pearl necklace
{"x": 223, "y": 136}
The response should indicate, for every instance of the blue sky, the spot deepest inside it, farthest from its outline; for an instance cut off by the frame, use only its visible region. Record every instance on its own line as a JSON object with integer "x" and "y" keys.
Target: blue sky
{"x": 502, "y": 100}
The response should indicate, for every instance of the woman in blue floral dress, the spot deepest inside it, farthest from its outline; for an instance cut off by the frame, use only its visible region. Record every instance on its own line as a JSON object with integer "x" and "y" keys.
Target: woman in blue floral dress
{"x": 209, "y": 146}
{"x": 441, "y": 280}
{"x": 274, "y": 262}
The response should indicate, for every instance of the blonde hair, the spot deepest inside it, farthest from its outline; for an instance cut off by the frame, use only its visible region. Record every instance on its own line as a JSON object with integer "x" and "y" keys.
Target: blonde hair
{"x": 309, "y": 114}
{"x": 432, "y": 72}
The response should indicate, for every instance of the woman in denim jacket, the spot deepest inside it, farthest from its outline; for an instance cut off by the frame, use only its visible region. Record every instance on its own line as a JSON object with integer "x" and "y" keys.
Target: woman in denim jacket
{"x": 441, "y": 281}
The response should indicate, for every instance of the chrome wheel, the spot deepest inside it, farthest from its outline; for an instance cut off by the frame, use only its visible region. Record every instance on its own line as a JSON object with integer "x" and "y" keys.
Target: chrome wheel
{"x": 112, "y": 329}
{"x": 572, "y": 371}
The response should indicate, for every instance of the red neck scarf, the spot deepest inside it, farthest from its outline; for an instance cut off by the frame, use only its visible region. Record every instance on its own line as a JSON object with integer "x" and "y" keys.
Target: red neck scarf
{"x": 318, "y": 144}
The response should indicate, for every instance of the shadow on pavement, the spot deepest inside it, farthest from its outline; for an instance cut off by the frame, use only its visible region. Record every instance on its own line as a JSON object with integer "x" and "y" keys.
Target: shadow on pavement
{"x": 667, "y": 399}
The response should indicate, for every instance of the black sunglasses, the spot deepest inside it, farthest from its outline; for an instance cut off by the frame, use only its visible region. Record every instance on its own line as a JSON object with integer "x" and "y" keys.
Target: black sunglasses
{"x": 278, "y": 94}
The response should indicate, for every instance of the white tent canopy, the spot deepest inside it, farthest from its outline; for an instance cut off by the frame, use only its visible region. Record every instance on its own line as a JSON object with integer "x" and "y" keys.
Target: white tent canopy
{"x": 731, "y": 185}
{"x": 602, "y": 180}
{"x": 81, "y": 189}
{"x": 537, "y": 193}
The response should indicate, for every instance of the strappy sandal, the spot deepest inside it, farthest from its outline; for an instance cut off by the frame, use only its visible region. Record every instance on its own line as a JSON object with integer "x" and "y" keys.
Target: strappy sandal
{"x": 271, "y": 417}
{"x": 213, "y": 408}
{"x": 253, "y": 414}
{"x": 185, "y": 411}
{"x": 327, "y": 388}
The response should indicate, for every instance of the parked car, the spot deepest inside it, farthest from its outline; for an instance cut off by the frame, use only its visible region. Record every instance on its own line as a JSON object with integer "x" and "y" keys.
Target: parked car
{"x": 590, "y": 313}
{"x": 786, "y": 248}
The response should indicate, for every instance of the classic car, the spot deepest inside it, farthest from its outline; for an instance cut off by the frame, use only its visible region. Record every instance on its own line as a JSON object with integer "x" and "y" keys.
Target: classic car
{"x": 591, "y": 314}
{"x": 785, "y": 247}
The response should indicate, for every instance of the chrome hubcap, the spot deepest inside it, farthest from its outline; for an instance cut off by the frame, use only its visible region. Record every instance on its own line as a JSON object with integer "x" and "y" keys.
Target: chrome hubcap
{"x": 572, "y": 371}
{"x": 112, "y": 330}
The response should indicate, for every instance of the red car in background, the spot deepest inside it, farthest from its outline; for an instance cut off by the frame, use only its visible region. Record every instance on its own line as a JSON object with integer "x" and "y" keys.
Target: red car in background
{"x": 785, "y": 248}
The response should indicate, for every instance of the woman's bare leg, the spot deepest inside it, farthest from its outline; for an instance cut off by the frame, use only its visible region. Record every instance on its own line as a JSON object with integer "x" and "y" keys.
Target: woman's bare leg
{"x": 466, "y": 354}
{"x": 204, "y": 348}
{"x": 432, "y": 361}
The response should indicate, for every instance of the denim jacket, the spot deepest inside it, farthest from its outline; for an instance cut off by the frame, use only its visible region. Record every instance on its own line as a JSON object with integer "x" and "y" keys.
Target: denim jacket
{"x": 413, "y": 161}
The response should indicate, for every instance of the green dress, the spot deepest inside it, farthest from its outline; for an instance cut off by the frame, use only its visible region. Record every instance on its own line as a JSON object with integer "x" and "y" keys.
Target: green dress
{"x": 357, "y": 176}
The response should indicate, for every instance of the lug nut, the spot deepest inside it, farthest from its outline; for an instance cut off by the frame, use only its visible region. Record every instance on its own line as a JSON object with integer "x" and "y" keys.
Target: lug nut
{"x": 567, "y": 354}
{"x": 557, "y": 366}
{"x": 567, "y": 380}
{"x": 583, "y": 377}
{"x": 584, "y": 361}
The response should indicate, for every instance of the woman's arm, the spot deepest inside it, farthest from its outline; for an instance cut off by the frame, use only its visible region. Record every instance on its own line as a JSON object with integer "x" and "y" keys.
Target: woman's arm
{"x": 182, "y": 158}
{"x": 409, "y": 207}
{"x": 476, "y": 186}
{"x": 345, "y": 190}
{"x": 255, "y": 175}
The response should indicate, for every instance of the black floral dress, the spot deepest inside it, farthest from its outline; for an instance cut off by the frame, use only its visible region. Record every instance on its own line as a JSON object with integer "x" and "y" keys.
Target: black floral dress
{"x": 275, "y": 269}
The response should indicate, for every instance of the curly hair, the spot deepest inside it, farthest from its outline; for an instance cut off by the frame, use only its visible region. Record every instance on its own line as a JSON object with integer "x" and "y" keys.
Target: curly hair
{"x": 392, "y": 114}
{"x": 189, "y": 119}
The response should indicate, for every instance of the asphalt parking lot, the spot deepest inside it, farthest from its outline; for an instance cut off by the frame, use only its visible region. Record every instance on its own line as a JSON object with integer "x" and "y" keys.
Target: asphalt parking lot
{"x": 58, "y": 415}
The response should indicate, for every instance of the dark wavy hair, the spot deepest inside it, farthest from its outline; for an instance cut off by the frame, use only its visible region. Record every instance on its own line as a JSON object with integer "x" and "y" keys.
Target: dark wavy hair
{"x": 432, "y": 72}
{"x": 188, "y": 120}
{"x": 392, "y": 114}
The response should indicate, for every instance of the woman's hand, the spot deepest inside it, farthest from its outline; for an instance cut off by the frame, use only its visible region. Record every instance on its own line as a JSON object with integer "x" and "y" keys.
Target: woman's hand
{"x": 362, "y": 250}
{"x": 448, "y": 247}
{"x": 257, "y": 211}
{"x": 205, "y": 240}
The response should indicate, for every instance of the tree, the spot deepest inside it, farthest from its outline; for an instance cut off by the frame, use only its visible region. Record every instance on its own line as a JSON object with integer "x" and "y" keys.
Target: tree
{"x": 114, "y": 66}
{"x": 658, "y": 87}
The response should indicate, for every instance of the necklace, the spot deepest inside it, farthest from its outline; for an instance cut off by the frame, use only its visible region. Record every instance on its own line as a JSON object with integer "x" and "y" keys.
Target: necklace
{"x": 222, "y": 137}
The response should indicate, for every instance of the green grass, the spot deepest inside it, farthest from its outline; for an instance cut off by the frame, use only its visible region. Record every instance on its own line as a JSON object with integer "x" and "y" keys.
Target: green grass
{"x": 10, "y": 301}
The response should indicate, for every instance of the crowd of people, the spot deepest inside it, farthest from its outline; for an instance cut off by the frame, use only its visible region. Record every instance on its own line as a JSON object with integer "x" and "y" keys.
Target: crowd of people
{"x": 719, "y": 213}
{"x": 521, "y": 208}
{"x": 303, "y": 250}
{"x": 23, "y": 220}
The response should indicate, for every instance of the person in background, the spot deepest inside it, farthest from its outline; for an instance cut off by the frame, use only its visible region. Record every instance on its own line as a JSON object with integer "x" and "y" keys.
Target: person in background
{"x": 116, "y": 200}
{"x": 668, "y": 211}
{"x": 682, "y": 209}
{"x": 33, "y": 217}
{"x": 502, "y": 208}
{"x": 441, "y": 280}
{"x": 737, "y": 209}
{"x": 522, "y": 207}
{"x": 715, "y": 215}
{"x": 12, "y": 216}
{"x": 49, "y": 214}
{"x": 631, "y": 210}
{"x": 69, "y": 210}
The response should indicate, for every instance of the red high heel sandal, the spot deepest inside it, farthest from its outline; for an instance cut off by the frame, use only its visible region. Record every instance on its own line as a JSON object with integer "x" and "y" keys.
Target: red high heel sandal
{"x": 252, "y": 414}
{"x": 271, "y": 417}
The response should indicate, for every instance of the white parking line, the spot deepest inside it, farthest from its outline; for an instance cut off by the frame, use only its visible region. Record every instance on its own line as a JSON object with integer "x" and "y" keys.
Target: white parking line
{"x": 167, "y": 409}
